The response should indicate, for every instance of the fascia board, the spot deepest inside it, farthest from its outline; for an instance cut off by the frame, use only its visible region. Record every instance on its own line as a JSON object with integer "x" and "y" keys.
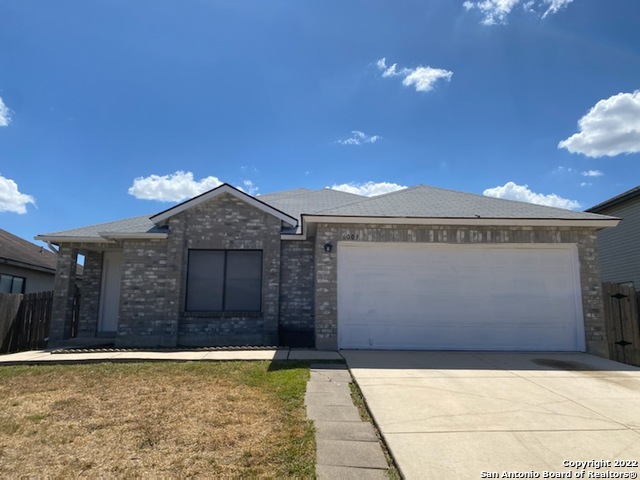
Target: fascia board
{"x": 133, "y": 236}
{"x": 506, "y": 222}
{"x": 56, "y": 240}
{"x": 104, "y": 238}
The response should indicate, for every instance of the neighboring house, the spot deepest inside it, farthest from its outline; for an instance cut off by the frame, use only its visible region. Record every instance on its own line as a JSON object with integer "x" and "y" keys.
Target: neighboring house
{"x": 25, "y": 267}
{"x": 620, "y": 247}
{"x": 420, "y": 268}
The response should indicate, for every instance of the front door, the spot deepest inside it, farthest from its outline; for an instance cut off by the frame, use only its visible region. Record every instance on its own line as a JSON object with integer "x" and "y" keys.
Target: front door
{"x": 110, "y": 292}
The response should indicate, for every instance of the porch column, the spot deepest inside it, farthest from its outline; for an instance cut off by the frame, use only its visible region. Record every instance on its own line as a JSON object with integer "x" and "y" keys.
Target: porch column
{"x": 64, "y": 289}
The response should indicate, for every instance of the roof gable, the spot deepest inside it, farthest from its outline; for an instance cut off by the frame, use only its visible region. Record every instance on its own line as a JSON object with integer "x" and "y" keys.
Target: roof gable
{"x": 222, "y": 189}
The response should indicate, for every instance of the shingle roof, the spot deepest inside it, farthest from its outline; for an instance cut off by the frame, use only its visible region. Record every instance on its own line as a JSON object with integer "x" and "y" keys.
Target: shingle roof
{"x": 18, "y": 250}
{"x": 285, "y": 193}
{"x": 416, "y": 202}
{"x": 430, "y": 202}
{"x": 140, "y": 224}
{"x": 309, "y": 201}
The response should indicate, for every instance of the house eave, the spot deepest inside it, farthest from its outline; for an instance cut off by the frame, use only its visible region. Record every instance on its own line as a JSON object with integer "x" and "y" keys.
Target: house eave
{"x": 57, "y": 240}
{"x": 506, "y": 222}
{"x": 105, "y": 237}
{"x": 134, "y": 236}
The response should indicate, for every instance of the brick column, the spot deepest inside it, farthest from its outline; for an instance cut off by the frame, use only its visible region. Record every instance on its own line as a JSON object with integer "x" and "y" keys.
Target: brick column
{"x": 90, "y": 294}
{"x": 326, "y": 288}
{"x": 64, "y": 290}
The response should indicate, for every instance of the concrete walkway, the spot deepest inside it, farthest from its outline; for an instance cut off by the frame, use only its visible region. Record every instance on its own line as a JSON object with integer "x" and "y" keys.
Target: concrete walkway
{"x": 347, "y": 447}
{"x": 48, "y": 356}
{"x": 462, "y": 415}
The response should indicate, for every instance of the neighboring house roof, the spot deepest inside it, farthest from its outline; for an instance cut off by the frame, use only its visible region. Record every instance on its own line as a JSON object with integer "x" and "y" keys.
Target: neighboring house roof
{"x": 618, "y": 199}
{"x": 21, "y": 253}
{"x": 420, "y": 204}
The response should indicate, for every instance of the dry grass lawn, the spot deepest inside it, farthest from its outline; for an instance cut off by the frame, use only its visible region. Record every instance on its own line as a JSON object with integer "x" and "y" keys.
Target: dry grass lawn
{"x": 155, "y": 419}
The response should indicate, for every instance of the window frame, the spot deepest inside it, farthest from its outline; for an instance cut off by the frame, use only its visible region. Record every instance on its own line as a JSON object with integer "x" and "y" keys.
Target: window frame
{"x": 224, "y": 311}
{"x": 12, "y": 280}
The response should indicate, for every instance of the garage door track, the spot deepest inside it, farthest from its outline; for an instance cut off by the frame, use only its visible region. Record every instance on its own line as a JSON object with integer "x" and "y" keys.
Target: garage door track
{"x": 477, "y": 415}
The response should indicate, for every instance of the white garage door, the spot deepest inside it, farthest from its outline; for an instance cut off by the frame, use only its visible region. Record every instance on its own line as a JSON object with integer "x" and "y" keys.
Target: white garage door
{"x": 459, "y": 297}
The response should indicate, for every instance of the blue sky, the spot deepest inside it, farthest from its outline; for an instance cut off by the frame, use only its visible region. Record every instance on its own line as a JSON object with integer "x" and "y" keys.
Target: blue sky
{"x": 116, "y": 108}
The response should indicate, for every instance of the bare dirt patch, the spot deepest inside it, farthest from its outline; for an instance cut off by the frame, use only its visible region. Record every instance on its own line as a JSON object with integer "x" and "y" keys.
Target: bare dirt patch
{"x": 155, "y": 419}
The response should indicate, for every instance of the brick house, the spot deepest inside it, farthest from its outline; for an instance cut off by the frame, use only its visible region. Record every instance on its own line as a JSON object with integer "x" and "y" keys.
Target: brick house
{"x": 420, "y": 268}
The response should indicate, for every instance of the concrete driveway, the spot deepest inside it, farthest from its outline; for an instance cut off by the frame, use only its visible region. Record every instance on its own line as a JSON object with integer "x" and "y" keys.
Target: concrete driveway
{"x": 448, "y": 415}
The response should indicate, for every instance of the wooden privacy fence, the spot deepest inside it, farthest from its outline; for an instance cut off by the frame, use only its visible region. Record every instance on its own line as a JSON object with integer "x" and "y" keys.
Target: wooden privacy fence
{"x": 622, "y": 322}
{"x": 24, "y": 321}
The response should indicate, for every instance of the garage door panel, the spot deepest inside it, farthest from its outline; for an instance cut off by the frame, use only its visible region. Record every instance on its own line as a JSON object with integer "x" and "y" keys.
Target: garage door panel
{"x": 485, "y": 310}
{"x": 458, "y": 297}
{"x": 449, "y": 338}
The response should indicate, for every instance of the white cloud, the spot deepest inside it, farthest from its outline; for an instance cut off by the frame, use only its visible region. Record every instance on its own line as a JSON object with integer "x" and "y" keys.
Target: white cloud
{"x": 560, "y": 169}
{"x": 592, "y": 173}
{"x": 5, "y": 114}
{"x": 521, "y": 193}
{"x": 249, "y": 187}
{"x": 497, "y": 11}
{"x": 422, "y": 78}
{"x": 368, "y": 189}
{"x": 586, "y": 184}
{"x": 494, "y": 11}
{"x": 171, "y": 188}
{"x": 387, "y": 71}
{"x": 11, "y": 200}
{"x": 358, "y": 138}
{"x": 610, "y": 128}
{"x": 555, "y": 6}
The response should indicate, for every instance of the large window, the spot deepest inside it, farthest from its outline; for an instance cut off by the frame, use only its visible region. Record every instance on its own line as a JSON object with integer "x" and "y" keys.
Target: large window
{"x": 12, "y": 284}
{"x": 224, "y": 281}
